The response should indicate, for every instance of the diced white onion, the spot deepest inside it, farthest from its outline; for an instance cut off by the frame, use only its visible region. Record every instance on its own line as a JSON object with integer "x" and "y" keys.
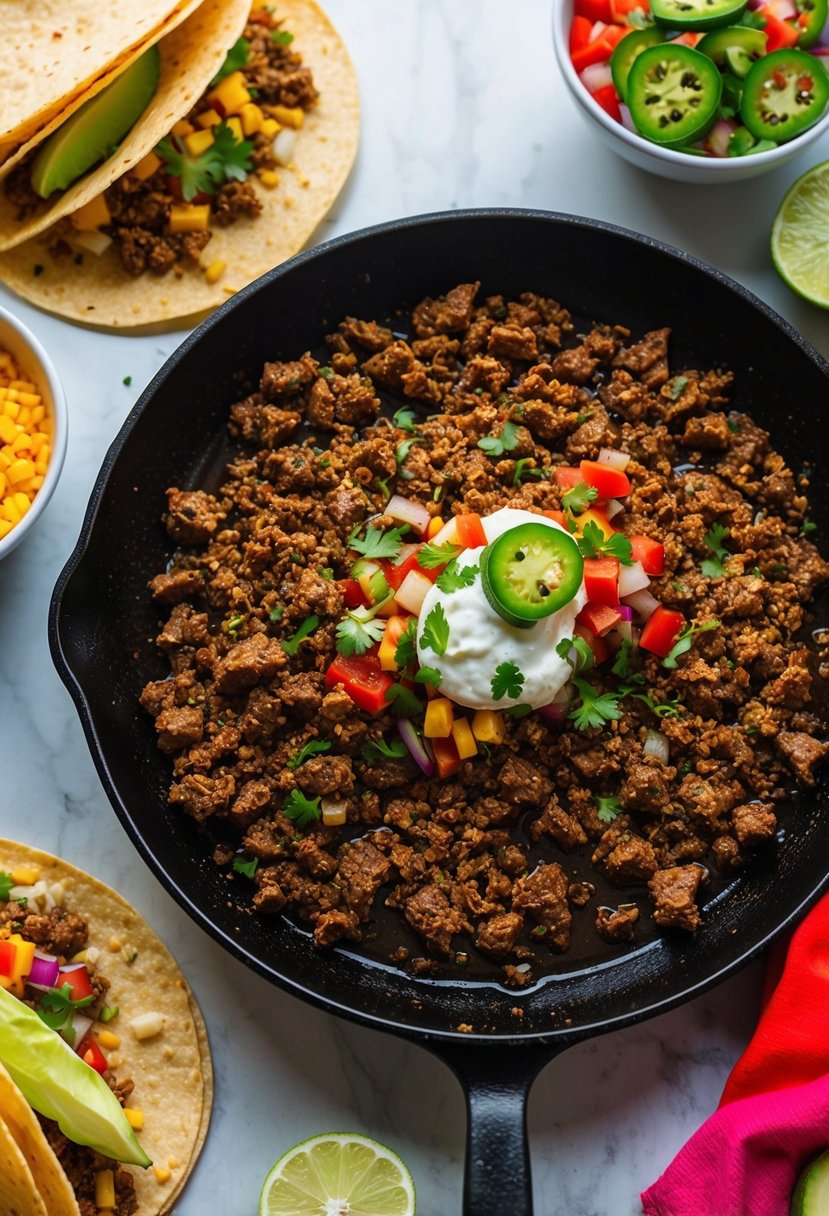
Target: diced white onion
{"x": 448, "y": 534}
{"x": 656, "y": 744}
{"x": 599, "y": 27}
{"x": 613, "y": 457}
{"x": 147, "y": 1025}
{"x": 333, "y": 812}
{"x": 596, "y": 76}
{"x": 284, "y": 145}
{"x": 642, "y": 603}
{"x": 80, "y": 1024}
{"x": 613, "y": 507}
{"x": 93, "y": 242}
{"x": 622, "y": 631}
{"x": 407, "y": 512}
{"x": 413, "y": 591}
{"x": 632, "y": 579}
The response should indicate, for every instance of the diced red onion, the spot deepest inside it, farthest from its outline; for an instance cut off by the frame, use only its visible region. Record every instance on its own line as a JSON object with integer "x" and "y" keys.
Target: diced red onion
{"x": 408, "y": 512}
{"x": 626, "y": 611}
{"x": 627, "y": 121}
{"x": 555, "y": 713}
{"x": 415, "y": 745}
{"x": 657, "y": 744}
{"x": 821, "y": 52}
{"x": 718, "y": 138}
{"x": 613, "y": 507}
{"x": 632, "y": 579}
{"x": 642, "y": 603}
{"x": 784, "y": 10}
{"x": 596, "y": 76}
{"x": 44, "y": 972}
{"x": 615, "y": 458}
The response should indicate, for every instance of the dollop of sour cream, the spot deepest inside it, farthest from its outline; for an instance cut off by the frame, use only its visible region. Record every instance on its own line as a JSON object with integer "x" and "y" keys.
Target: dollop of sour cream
{"x": 479, "y": 640}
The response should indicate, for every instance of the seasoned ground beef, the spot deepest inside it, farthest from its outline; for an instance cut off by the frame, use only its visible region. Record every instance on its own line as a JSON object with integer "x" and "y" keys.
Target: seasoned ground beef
{"x": 321, "y": 799}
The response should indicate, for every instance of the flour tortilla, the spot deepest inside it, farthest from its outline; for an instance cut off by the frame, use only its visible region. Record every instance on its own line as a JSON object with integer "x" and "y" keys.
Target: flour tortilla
{"x": 18, "y": 1194}
{"x": 99, "y": 292}
{"x": 57, "y": 52}
{"x": 172, "y": 1070}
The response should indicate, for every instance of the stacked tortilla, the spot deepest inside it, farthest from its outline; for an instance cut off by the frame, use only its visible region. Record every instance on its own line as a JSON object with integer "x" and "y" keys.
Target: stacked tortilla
{"x": 193, "y": 39}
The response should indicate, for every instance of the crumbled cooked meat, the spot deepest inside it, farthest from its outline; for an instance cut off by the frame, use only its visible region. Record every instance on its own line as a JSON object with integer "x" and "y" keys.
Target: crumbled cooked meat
{"x": 617, "y": 924}
{"x": 674, "y": 894}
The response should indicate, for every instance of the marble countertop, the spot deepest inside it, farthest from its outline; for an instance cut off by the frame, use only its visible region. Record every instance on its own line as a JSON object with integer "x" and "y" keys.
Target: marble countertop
{"x": 462, "y": 106}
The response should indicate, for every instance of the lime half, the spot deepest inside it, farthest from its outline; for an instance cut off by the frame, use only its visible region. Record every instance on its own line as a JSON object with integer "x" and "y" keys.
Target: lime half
{"x": 338, "y": 1174}
{"x": 811, "y": 1195}
{"x": 800, "y": 236}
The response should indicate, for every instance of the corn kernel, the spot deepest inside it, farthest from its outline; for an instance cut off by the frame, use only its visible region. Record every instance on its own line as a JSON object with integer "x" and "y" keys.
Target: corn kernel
{"x": 5, "y": 527}
{"x": 188, "y": 217}
{"x": 38, "y": 413}
{"x": 22, "y": 442}
{"x": 3, "y": 485}
{"x": 135, "y": 1117}
{"x": 9, "y": 510}
{"x": 210, "y": 118}
{"x": 289, "y": 116}
{"x": 439, "y": 718}
{"x": 105, "y": 1189}
{"x": 37, "y": 480}
{"x": 10, "y": 408}
{"x": 108, "y": 1040}
{"x": 5, "y": 459}
{"x": 269, "y": 178}
{"x": 251, "y": 118}
{"x": 198, "y": 142}
{"x": 28, "y": 399}
{"x": 147, "y": 166}
{"x": 8, "y": 430}
{"x": 19, "y": 470}
{"x": 215, "y": 271}
{"x": 92, "y": 215}
{"x": 270, "y": 127}
{"x": 22, "y": 502}
{"x": 434, "y": 527}
{"x": 162, "y": 1173}
{"x": 25, "y": 385}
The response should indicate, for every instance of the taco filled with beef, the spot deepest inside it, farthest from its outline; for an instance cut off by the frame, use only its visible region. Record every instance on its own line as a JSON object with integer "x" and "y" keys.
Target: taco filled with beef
{"x": 230, "y": 183}
{"x": 105, "y": 1076}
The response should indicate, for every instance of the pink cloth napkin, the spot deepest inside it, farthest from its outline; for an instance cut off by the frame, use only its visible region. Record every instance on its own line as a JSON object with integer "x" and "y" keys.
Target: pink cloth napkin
{"x": 774, "y": 1112}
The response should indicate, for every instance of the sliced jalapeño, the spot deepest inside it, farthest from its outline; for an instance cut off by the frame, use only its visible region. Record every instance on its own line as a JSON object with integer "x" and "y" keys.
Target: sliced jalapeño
{"x": 530, "y": 572}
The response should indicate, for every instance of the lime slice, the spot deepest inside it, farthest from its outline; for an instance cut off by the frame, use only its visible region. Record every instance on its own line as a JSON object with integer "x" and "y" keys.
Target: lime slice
{"x": 338, "y": 1174}
{"x": 811, "y": 1195}
{"x": 800, "y": 236}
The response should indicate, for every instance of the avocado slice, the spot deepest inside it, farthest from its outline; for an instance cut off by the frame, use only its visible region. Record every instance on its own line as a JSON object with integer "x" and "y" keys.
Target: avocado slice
{"x": 89, "y": 135}
{"x": 811, "y": 1195}
{"x": 62, "y": 1086}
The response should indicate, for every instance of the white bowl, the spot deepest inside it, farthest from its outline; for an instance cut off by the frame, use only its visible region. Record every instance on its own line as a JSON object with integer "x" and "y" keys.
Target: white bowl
{"x": 667, "y": 162}
{"x": 35, "y": 365}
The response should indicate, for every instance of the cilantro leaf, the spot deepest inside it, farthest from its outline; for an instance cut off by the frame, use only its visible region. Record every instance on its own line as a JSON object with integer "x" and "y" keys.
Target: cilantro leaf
{"x": 404, "y": 419}
{"x": 676, "y": 387}
{"x": 714, "y": 567}
{"x": 403, "y": 702}
{"x": 435, "y": 634}
{"x": 291, "y": 646}
{"x": 454, "y": 577}
{"x": 578, "y": 499}
{"x": 607, "y": 809}
{"x": 624, "y": 663}
{"x": 376, "y": 543}
{"x": 245, "y": 865}
{"x": 519, "y": 711}
{"x": 378, "y": 749}
{"x": 496, "y": 445}
{"x": 312, "y": 748}
{"x": 683, "y": 641}
{"x": 57, "y": 1009}
{"x": 406, "y": 650}
{"x": 282, "y": 37}
{"x": 594, "y": 708}
{"x": 236, "y": 58}
{"x": 429, "y": 675}
{"x": 357, "y": 634}
{"x": 429, "y": 556}
{"x": 521, "y": 471}
{"x": 303, "y": 811}
{"x": 6, "y": 884}
{"x": 594, "y": 543}
{"x": 404, "y": 447}
{"x": 584, "y": 657}
{"x": 226, "y": 159}
{"x": 507, "y": 681}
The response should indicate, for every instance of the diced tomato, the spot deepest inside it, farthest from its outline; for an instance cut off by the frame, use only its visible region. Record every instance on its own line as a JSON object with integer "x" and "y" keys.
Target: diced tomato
{"x": 580, "y": 32}
{"x": 661, "y": 630}
{"x": 619, "y": 9}
{"x": 566, "y": 477}
{"x": 396, "y": 574}
{"x": 470, "y": 531}
{"x": 395, "y": 628}
{"x": 687, "y": 38}
{"x": 651, "y": 553}
{"x": 779, "y": 34}
{"x": 599, "y": 618}
{"x": 446, "y": 756}
{"x": 91, "y": 1054}
{"x": 362, "y": 678}
{"x": 557, "y": 517}
{"x": 593, "y": 10}
{"x": 601, "y": 580}
{"x": 78, "y": 980}
{"x": 607, "y": 481}
{"x": 352, "y": 593}
{"x": 608, "y": 99}
{"x": 599, "y": 646}
{"x": 600, "y": 49}
{"x": 7, "y": 952}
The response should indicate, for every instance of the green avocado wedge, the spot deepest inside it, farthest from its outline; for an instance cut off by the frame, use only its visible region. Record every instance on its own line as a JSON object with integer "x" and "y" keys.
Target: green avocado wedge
{"x": 89, "y": 135}
{"x": 60, "y": 1085}
{"x": 811, "y": 1195}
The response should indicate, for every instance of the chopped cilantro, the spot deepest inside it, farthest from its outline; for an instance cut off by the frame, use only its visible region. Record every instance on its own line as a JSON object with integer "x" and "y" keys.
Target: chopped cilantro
{"x": 404, "y": 447}
{"x": 303, "y": 811}
{"x": 454, "y": 577}
{"x": 378, "y": 587}
{"x": 521, "y": 471}
{"x": 358, "y": 632}
{"x": 245, "y": 865}
{"x": 435, "y": 633}
{"x": 579, "y": 498}
{"x": 429, "y": 675}
{"x": 406, "y": 650}
{"x": 376, "y": 543}
{"x": 57, "y": 1009}
{"x": 108, "y": 1013}
{"x": 519, "y": 711}
{"x": 607, "y": 809}
{"x": 327, "y": 373}
{"x": 312, "y": 748}
{"x": 325, "y": 572}
{"x": 808, "y": 527}
{"x": 623, "y": 664}
{"x": 507, "y": 681}
{"x": 236, "y": 58}
{"x": 733, "y": 426}
{"x": 6, "y": 884}
{"x": 496, "y": 445}
{"x": 276, "y": 613}
{"x": 677, "y": 387}
{"x": 683, "y": 641}
{"x": 404, "y": 419}
{"x": 291, "y": 646}
{"x": 584, "y": 658}
{"x": 403, "y": 702}
{"x": 127, "y": 381}
{"x": 430, "y": 556}
{"x": 594, "y": 708}
{"x": 714, "y": 567}
{"x": 594, "y": 543}
{"x": 225, "y": 160}
{"x": 378, "y": 749}
{"x": 282, "y": 37}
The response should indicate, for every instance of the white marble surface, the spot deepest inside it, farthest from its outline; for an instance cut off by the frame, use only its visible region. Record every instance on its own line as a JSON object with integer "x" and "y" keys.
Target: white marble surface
{"x": 462, "y": 107}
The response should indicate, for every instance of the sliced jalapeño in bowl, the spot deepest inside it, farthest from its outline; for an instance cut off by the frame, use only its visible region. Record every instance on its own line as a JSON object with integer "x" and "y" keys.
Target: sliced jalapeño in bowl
{"x": 673, "y": 93}
{"x": 529, "y": 572}
{"x": 784, "y": 93}
{"x": 697, "y": 14}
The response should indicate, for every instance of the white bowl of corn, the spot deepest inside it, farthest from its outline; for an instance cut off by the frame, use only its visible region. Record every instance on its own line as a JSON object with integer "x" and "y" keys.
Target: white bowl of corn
{"x": 33, "y": 430}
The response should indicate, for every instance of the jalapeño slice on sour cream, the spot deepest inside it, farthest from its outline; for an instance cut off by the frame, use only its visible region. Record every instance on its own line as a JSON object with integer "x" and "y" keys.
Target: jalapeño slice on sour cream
{"x": 529, "y": 572}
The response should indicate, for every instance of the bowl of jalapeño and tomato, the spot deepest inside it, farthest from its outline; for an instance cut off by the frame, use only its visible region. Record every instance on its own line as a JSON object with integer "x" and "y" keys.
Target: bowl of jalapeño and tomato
{"x": 699, "y": 90}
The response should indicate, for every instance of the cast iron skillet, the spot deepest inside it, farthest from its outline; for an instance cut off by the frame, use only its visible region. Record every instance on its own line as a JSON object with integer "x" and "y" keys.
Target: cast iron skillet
{"x": 102, "y": 624}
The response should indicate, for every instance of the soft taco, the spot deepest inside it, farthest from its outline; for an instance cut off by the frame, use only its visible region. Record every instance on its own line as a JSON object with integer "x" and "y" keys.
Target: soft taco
{"x": 105, "y": 1077}
{"x": 231, "y": 182}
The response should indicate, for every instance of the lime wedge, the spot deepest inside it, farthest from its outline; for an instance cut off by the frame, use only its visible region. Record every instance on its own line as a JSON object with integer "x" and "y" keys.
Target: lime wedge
{"x": 811, "y": 1195}
{"x": 338, "y": 1174}
{"x": 800, "y": 236}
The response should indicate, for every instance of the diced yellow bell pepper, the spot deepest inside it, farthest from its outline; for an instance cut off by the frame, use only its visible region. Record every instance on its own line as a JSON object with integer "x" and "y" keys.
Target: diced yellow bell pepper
{"x": 198, "y": 142}
{"x": 188, "y": 217}
{"x": 210, "y": 118}
{"x": 22, "y": 962}
{"x": 464, "y": 738}
{"x": 182, "y": 127}
{"x": 591, "y": 516}
{"x": 235, "y": 125}
{"x": 251, "y": 117}
{"x": 270, "y": 127}
{"x": 434, "y": 527}
{"x": 20, "y": 470}
{"x": 105, "y": 1189}
{"x": 395, "y": 627}
{"x": 147, "y": 166}
{"x": 488, "y": 726}
{"x": 230, "y": 94}
{"x": 439, "y": 719}
{"x": 92, "y": 215}
{"x": 289, "y": 116}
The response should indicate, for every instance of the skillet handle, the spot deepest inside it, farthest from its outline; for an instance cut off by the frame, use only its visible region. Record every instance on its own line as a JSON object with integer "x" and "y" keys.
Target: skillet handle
{"x": 497, "y": 1082}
